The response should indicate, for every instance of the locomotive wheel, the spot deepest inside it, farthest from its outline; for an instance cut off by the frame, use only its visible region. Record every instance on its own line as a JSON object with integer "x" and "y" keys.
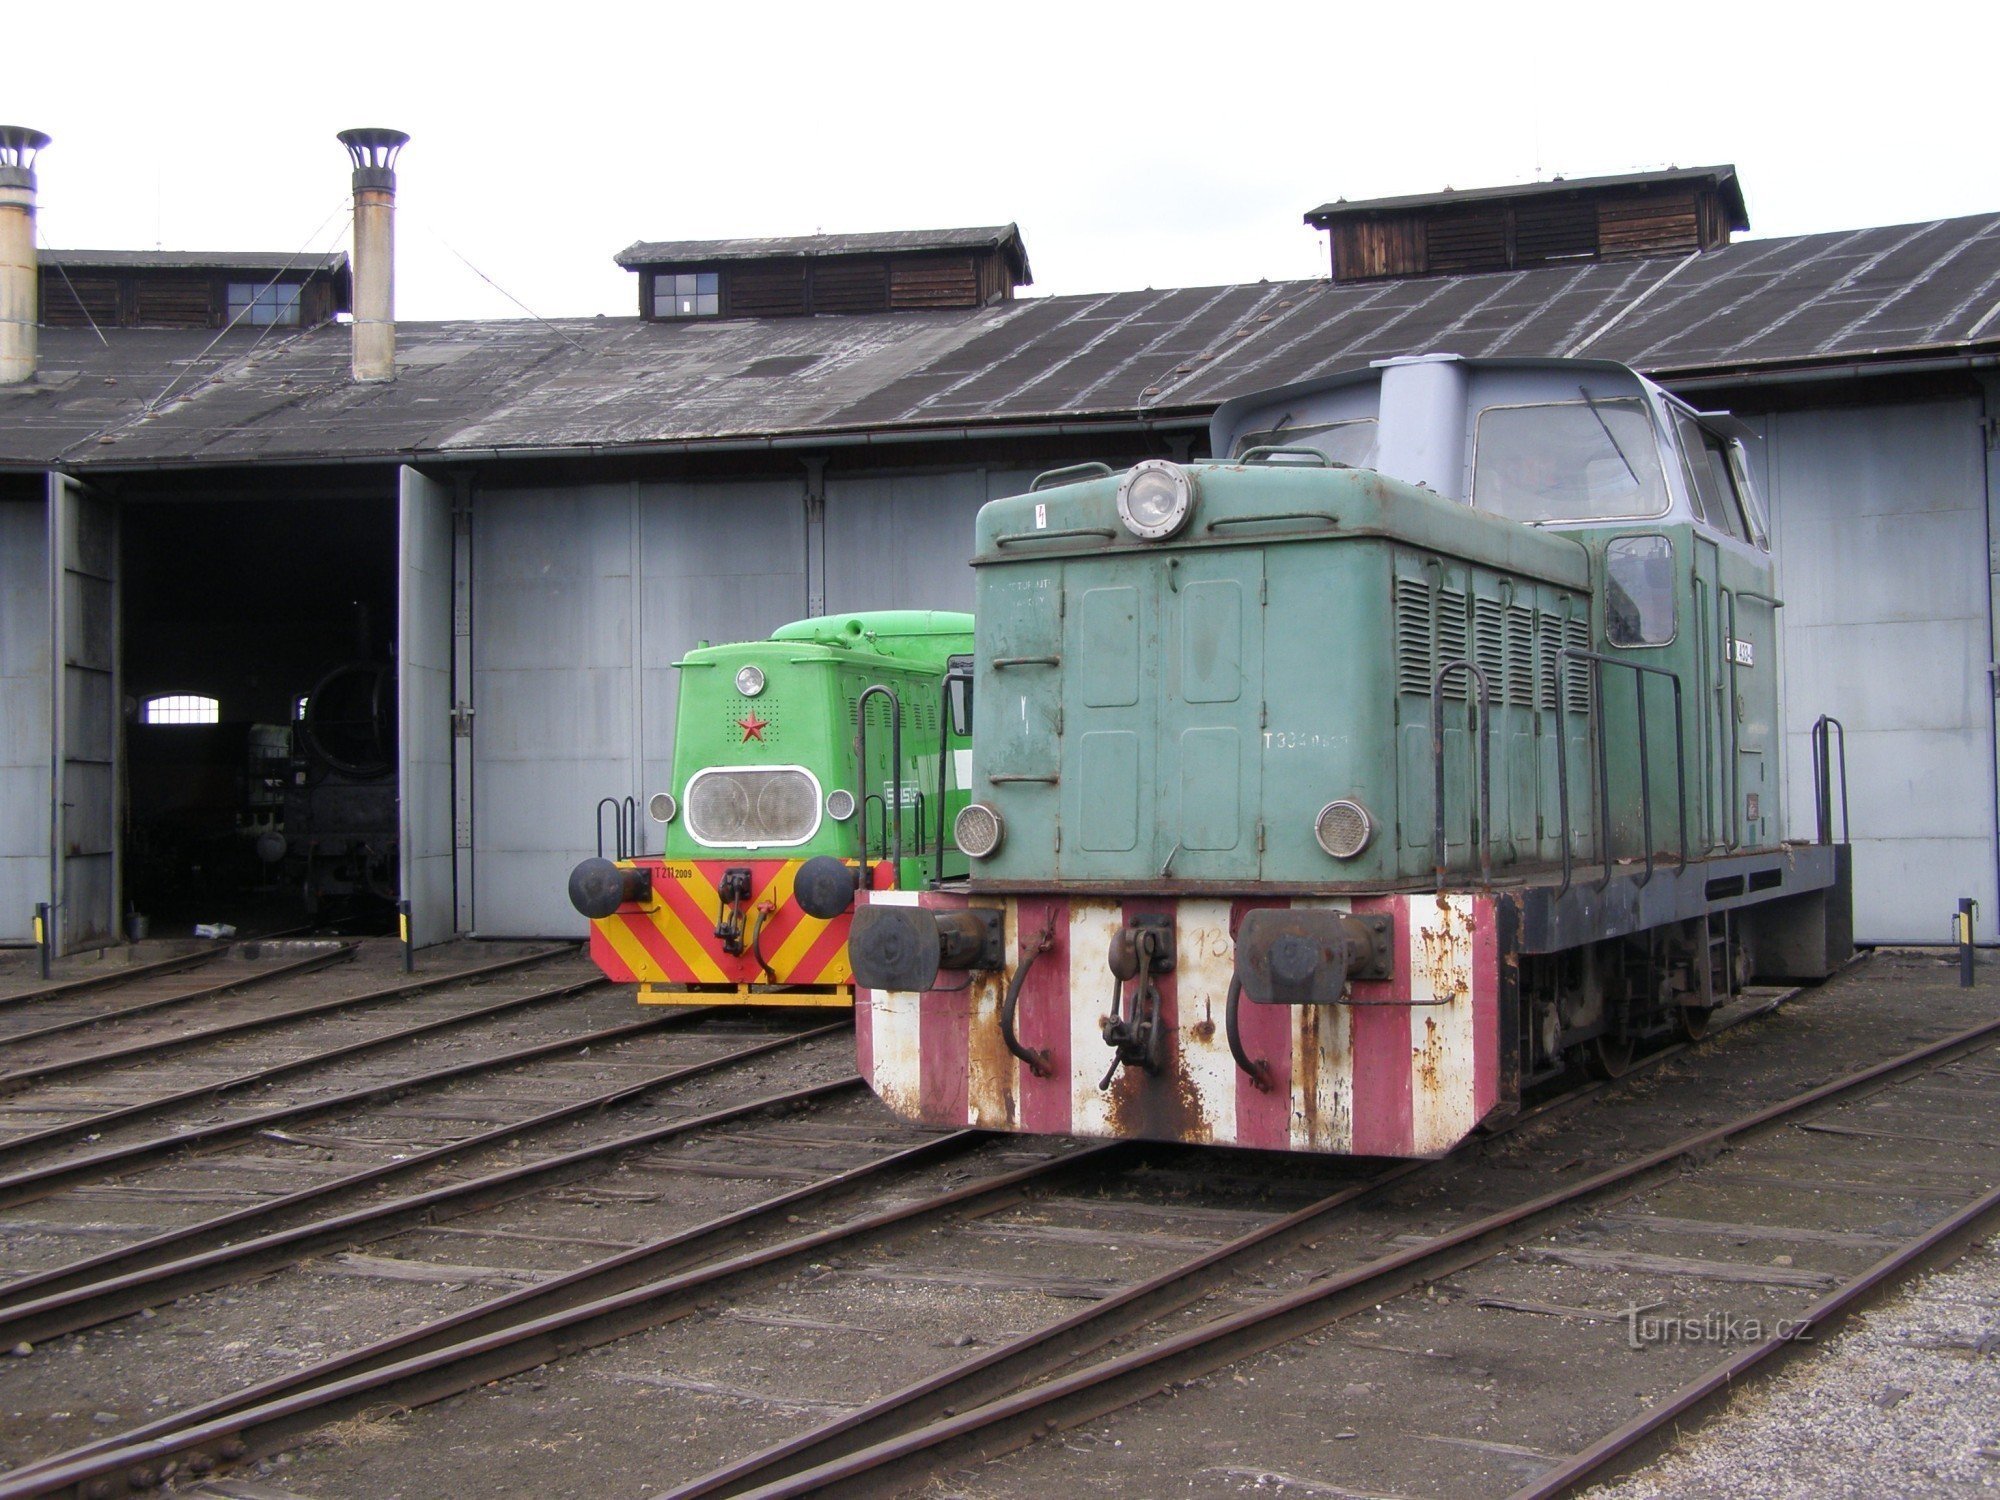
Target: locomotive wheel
{"x": 1691, "y": 1021}
{"x": 1608, "y": 1056}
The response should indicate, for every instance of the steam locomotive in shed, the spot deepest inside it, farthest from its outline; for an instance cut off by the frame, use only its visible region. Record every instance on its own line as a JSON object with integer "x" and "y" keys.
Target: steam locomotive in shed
{"x": 805, "y": 767}
{"x": 1421, "y": 746}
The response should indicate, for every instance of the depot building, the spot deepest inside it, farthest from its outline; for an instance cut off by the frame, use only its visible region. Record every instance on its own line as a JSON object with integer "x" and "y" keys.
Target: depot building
{"x": 235, "y": 489}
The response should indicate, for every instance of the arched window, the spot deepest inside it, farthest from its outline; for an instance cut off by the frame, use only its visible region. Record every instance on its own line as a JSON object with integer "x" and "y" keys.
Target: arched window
{"x": 181, "y": 708}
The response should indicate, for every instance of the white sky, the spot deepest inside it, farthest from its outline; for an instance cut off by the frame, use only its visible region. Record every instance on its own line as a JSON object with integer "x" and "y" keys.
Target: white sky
{"x": 1136, "y": 145}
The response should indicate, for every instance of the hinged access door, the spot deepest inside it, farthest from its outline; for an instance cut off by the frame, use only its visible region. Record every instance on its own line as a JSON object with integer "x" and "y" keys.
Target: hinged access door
{"x": 84, "y": 718}
{"x": 424, "y": 704}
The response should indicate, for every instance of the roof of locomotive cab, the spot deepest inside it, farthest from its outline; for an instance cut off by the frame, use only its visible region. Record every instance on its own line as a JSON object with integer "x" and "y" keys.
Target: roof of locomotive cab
{"x": 915, "y": 639}
{"x": 1289, "y": 498}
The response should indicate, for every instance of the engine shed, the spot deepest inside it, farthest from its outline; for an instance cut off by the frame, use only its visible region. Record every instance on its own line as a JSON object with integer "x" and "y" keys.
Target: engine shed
{"x": 512, "y": 530}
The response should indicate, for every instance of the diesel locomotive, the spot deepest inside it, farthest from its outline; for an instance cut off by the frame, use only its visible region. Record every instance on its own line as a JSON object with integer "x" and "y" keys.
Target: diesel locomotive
{"x": 805, "y": 767}
{"x": 1421, "y": 746}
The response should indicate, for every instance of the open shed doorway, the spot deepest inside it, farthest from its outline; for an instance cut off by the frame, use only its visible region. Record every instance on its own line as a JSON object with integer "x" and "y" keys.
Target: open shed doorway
{"x": 260, "y": 711}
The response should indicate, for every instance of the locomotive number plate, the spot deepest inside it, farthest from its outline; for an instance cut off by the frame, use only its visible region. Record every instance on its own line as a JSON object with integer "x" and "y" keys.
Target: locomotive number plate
{"x": 1744, "y": 654}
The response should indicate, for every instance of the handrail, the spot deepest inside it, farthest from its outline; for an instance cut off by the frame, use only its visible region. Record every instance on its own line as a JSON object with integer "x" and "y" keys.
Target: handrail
{"x": 1822, "y": 743}
{"x": 1602, "y": 821}
{"x": 627, "y": 834}
{"x": 1268, "y": 451}
{"x": 895, "y": 768}
{"x": 1008, "y": 538}
{"x": 1273, "y": 515}
{"x": 1482, "y": 710}
{"x": 1050, "y": 478}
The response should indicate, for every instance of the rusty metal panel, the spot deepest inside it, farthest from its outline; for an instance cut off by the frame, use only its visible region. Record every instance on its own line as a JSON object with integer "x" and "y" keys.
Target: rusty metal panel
{"x": 1407, "y": 1069}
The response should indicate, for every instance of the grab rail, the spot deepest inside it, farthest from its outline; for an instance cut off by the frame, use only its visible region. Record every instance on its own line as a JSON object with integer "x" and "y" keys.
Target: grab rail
{"x": 627, "y": 833}
{"x": 1602, "y": 821}
{"x": 1822, "y": 742}
{"x": 895, "y": 768}
{"x": 1481, "y": 711}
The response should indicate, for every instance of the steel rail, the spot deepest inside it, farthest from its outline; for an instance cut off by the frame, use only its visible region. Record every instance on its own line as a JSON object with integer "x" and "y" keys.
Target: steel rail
{"x": 1066, "y": 1401}
{"x": 39, "y": 1182}
{"x": 614, "y": 1273}
{"x": 346, "y": 949}
{"x": 186, "y": 997}
{"x": 158, "y": 1046}
{"x": 126, "y": 975}
{"x": 1029, "y": 1356}
{"x": 126, "y": 1113}
{"x": 86, "y": 1292}
{"x": 1721, "y": 1378}
{"x": 420, "y": 1378}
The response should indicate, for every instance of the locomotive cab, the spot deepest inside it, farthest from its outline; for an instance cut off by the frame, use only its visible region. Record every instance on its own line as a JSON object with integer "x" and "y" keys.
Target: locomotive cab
{"x": 1442, "y": 663}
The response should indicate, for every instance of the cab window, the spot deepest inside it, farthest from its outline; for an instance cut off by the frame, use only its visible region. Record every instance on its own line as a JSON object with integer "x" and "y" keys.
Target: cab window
{"x": 1589, "y": 460}
{"x": 1639, "y": 591}
{"x": 1715, "y": 479}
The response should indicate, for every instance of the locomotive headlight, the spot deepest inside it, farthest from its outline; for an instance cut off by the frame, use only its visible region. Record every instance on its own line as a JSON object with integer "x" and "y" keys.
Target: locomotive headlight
{"x": 840, "y": 804}
{"x": 1154, "y": 499}
{"x": 662, "y": 807}
{"x": 977, "y": 830}
{"x": 1343, "y": 828}
{"x": 749, "y": 681}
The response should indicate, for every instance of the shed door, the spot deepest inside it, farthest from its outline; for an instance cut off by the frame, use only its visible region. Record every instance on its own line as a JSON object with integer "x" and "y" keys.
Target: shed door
{"x": 83, "y": 582}
{"x": 1879, "y": 522}
{"x": 423, "y": 717}
{"x": 24, "y": 711}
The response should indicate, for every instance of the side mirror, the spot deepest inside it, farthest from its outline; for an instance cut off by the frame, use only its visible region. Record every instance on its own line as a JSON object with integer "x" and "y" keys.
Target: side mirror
{"x": 958, "y": 695}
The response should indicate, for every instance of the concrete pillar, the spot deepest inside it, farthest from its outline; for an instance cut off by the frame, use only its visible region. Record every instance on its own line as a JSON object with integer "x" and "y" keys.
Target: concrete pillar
{"x": 20, "y": 289}
{"x": 373, "y": 152}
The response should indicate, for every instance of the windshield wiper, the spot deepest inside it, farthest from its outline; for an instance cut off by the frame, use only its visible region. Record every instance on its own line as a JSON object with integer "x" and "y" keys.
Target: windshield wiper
{"x": 1611, "y": 438}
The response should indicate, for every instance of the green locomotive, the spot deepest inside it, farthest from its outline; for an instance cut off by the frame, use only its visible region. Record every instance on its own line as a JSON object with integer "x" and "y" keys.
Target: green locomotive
{"x": 805, "y": 765}
{"x": 1422, "y": 744}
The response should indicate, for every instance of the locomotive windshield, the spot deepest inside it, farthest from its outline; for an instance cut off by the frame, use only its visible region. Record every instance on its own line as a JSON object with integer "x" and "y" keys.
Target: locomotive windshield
{"x": 1351, "y": 444}
{"x": 1588, "y": 460}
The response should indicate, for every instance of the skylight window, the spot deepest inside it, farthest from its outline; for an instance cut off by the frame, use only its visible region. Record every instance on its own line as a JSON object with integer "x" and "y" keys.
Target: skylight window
{"x": 696, "y": 294}
{"x": 182, "y": 708}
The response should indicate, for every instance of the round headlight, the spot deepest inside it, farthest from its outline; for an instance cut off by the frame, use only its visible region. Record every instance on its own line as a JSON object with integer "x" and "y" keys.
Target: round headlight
{"x": 749, "y": 681}
{"x": 1154, "y": 499}
{"x": 840, "y": 804}
{"x": 1343, "y": 828}
{"x": 977, "y": 829}
{"x": 662, "y": 806}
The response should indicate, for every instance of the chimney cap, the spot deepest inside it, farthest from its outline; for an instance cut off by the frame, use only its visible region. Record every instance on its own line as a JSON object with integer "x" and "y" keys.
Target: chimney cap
{"x": 373, "y": 146}
{"x": 18, "y": 145}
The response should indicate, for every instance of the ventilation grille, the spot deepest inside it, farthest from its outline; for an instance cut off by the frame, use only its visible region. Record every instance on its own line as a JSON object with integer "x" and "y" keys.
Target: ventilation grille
{"x": 1487, "y": 649}
{"x": 1413, "y": 636}
{"x": 1520, "y": 651}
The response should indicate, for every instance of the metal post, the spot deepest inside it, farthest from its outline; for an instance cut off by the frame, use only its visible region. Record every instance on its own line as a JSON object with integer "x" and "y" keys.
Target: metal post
{"x": 1966, "y": 907}
{"x": 403, "y": 931}
{"x": 42, "y": 934}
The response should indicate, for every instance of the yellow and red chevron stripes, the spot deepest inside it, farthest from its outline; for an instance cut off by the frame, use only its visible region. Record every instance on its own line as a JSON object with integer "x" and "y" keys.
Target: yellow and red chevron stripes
{"x": 670, "y": 939}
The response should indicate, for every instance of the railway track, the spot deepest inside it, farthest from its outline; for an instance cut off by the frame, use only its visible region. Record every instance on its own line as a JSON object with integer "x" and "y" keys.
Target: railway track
{"x": 1179, "y": 1277}
{"x": 588, "y": 1308}
{"x": 26, "y": 1060}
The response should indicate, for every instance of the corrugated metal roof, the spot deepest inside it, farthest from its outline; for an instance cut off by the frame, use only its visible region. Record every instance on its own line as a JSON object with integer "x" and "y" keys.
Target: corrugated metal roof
{"x": 589, "y": 384}
{"x": 1722, "y": 177}
{"x": 269, "y": 261}
{"x": 688, "y": 252}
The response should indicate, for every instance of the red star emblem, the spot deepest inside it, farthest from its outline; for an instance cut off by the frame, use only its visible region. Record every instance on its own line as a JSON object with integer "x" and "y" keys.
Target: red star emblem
{"x": 753, "y": 727}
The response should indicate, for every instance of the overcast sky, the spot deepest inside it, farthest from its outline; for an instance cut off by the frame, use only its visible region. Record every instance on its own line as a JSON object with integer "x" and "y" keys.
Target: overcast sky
{"x": 1162, "y": 145}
